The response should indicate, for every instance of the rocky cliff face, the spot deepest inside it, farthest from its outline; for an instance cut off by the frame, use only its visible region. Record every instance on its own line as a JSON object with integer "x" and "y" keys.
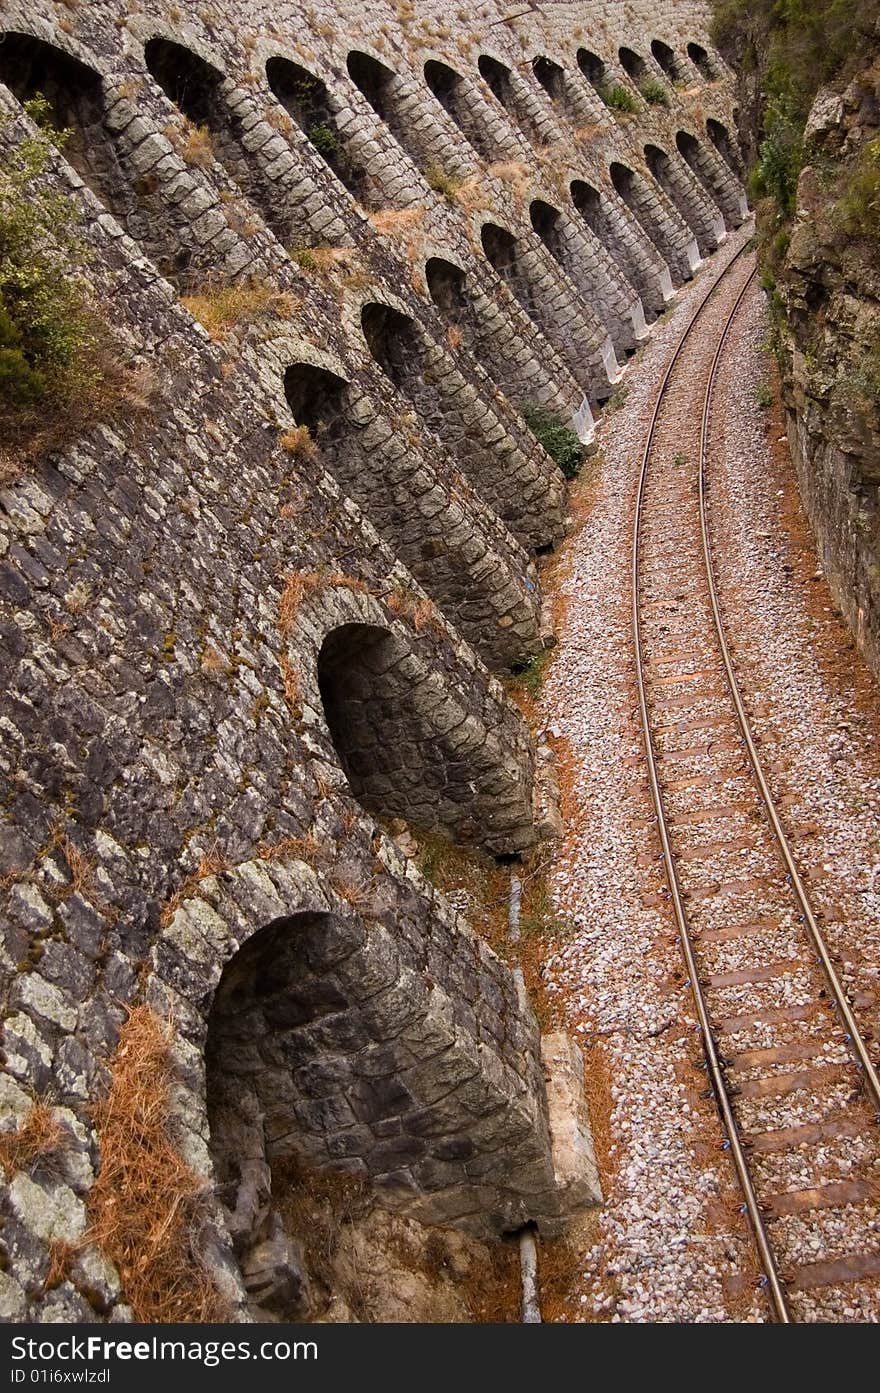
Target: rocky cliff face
{"x": 827, "y": 312}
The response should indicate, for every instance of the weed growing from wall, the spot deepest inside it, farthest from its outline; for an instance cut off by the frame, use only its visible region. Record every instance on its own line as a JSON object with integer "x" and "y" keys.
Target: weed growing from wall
{"x": 558, "y": 439}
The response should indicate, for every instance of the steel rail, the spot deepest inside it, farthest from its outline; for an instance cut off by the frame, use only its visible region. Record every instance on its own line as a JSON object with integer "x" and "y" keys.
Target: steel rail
{"x": 716, "y": 1073}
{"x": 839, "y": 995}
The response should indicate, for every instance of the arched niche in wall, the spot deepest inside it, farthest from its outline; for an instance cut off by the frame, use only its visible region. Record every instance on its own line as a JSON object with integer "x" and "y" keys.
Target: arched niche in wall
{"x": 306, "y": 99}
{"x": 405, "y": 745}
{"x": 446, "y": 286}
{"x": 668, "y": 60}
{"x": 372, "y": 79}
{"x": 667, "y": 232}
{"x": 286, "y": 1088}
{"x": 499, "y": 246}
{"x": 189, "y": 81}
{"x": 633, "y": 64}
{"x": 714, "y": 175}
{"x": 545, "y": 220}
{"x": 451, "y": 91}
{"x": 551, "y": 77}
{"x": 592, "y": 67}
{"x": 318, "y": 399}
{"x": 724, "y": 144}
{"x": 701, "y": 61}
{"x": 393, "y": 340}
{"x": 497, "y": 77}
{"x": 76, "y": 102}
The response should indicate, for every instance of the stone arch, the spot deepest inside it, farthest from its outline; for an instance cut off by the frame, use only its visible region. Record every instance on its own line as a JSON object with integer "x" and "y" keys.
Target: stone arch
{"x": 390, "y": 1044}
{"x": 306, "y": 99}
{"x": 520, "y": 104}
{"x": 715, "y": 177}
{"x": 702, "y": 61}
{"x": 414, "y": 124}
{"x": 504, "y": 339}
{"x": 667, "y": 59}
{"x": 592, "y": 67}
{"x": 426, "y": 508}
{"x": 410, "y": 749}
{"x": 75, "y": 93}
{"x": 188, "y": 80}
{"x": 552, "y": 301}
{"x": 721, "y": 138}
{"x": 613, "y": 225}
{"x": 633, "y": 64}
{"x": 207, "y": 99}
{"x": 687, "y": 196}
{"x": 551, "y": 76}
{"x": 372, "y": 78}
{"x": 506, "y": 470}
{"x": 449, "y": 88}
{"x": 488, "y": 134}
{"x": 663, "y": 225}
{"x": 568, "y": 98}
{"x": 499, "y": 246}
{"x": 545, "y": 219}
{"x": 588, "y": 265}
{"x": 318, "y": 399}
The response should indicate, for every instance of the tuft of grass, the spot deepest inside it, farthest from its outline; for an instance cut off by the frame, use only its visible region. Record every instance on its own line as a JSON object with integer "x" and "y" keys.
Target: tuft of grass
{"x": 531, "y": 675}
{"x": 618, "y": 397}
{"x": 858, "y": 210}
{"x": 655, "y": 92}
{"x": 222, "y": 306}
{"x": 39, "y": 1137}
{"x": 618, "y": 98}
{"x": 442, "y": 182}
{"x": 147, "y": 1205}
{"x": 298, "y": 442}
{"x": 558, "y": 438}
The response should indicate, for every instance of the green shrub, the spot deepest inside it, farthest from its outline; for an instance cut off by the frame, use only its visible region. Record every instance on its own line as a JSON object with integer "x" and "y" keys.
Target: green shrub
{"x": 764, "y": 395}
{"x": 57, "y": 368}
{"x": 557, "y": 438}
{"x": 859, "y": 207}
{"x": 654, "y": 92}
{"x": 780, "y": 155}
{"x": 324, "y": 139}
{"x": 618, "y": 98}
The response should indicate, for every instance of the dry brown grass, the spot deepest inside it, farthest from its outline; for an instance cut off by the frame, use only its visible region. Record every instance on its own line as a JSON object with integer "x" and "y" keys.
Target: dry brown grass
{"x": 147, "y": 1204}
{"x": 290, "y": 684}
{"x": 393, "y": 221}
{"x": 81, "y": 869}
{"x": 193, "y": 143}
{"x": 515, "y": 175}
{"x": 356, "y": 891}
{"x": 222, "y": 307}
{"x": 307, "y": 849}
{"x": 300, "y": 584}
{"x": 212, "y": 863}
{"x": 298, "y": 442}
{"x": 110, "y": 390}
{"x": 39, "y": 1137}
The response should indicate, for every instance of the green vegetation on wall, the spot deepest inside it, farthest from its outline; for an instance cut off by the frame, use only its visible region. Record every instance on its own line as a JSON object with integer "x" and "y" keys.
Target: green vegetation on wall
{"x": 558, "y": 439}
{"x": 53, "y": 348}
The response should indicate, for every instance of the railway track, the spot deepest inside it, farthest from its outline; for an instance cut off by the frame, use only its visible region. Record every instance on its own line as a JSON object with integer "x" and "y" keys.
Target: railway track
{"x": 795, "y": 1083}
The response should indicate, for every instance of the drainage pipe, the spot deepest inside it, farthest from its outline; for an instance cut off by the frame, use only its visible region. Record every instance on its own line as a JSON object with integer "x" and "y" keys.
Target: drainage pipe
{"x": 528, "y": 1247}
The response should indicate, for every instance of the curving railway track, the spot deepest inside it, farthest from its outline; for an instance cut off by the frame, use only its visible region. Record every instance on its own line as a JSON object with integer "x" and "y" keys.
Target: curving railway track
{"x": 774, "y": 1017}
